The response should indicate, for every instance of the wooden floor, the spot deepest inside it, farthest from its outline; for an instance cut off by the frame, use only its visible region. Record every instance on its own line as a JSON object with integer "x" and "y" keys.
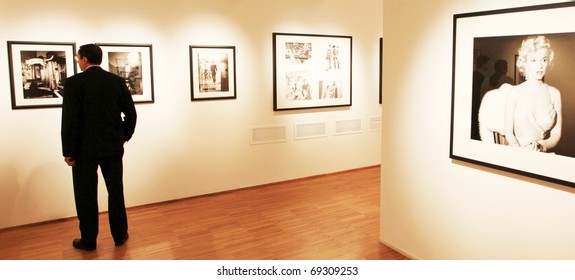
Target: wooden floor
{"x": 328, "y": 217}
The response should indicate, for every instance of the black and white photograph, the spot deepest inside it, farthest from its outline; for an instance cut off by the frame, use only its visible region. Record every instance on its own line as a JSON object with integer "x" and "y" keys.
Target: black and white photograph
{"x": 298, "y": 86}
{"x": 513, "y": 103}
{"x": 133, "y": 63}
{"x": 311, "y": 71}
{"x": 330, "y": 89}
{"x": 529, "y": 73}
{"x": 298, "y": 53}
{"x": 212, "y": 72}
{"x": 38, "y": 71}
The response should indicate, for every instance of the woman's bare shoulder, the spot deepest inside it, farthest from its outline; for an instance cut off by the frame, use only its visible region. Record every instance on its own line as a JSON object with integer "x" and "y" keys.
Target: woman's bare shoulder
{"x": 553, "y": 90}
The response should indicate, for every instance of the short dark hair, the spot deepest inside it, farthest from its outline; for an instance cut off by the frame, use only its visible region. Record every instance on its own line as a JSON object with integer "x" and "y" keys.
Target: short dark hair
{"x": 500, "y": 65}
{"x": 91, "y": 52}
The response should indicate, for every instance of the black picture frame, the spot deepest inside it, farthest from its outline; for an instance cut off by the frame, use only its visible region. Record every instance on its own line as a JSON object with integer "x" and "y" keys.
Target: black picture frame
{"x": 213, "y": 72}
{"x": 38, "y": 72}
{"x": 498, "y": 34}
{"x": 311, "y": 71}
{"x": 134, "y": 63}
{"x": 380, "y": 70}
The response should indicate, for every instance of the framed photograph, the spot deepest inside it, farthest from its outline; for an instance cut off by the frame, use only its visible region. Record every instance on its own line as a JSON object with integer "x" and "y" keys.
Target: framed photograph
{"x": 512, "y": 91}
{"x": 311, "y": 71}
{"x": 213, "y": 72}
{"x": 38, "y": 71}
{"x": 133, "y": 63}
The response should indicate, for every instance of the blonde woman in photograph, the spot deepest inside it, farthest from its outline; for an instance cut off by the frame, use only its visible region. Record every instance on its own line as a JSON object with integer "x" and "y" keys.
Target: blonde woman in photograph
{"x": 533, "y": 108}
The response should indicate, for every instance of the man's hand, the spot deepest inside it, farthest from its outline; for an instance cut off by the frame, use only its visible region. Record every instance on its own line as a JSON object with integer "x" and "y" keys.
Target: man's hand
{"x": 70, "y": 161}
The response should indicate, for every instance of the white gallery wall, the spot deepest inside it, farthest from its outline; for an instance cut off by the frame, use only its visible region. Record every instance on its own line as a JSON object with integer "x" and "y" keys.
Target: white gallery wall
{"x": 433, "y": 207}
{"x": 183, "y": 148}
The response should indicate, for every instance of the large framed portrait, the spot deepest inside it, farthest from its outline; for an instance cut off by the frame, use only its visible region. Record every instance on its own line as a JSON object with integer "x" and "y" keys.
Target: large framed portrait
{"x": 513, "y": 106}
{"x": 213, "y": 72}
{"x": 311, "y": 71}
{"x": 133, "y": 62}
{"x": 38, "y": 71}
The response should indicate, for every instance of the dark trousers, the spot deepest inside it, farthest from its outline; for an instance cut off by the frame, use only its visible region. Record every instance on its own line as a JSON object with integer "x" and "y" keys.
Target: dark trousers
{"x": 85, "y": 177}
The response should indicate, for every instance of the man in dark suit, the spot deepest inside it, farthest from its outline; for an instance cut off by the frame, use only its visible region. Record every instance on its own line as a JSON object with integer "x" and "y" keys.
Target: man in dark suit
{"x": 93, "y": 134}
{"x": 481, "y": 66}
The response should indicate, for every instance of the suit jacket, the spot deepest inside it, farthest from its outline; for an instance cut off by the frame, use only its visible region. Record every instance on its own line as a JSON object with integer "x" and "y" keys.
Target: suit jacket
{"x": 92, "y": 123}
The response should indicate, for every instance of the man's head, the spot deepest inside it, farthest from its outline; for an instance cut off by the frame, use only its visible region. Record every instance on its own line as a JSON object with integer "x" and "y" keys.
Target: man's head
{"x": 481, "y": 62}
{"x": 500, "y": 66}
{"x": 88, "y": 55}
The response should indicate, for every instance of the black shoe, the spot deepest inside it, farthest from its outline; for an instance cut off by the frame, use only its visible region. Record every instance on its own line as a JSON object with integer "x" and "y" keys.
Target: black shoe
{"x": 81, "y": 245}
{"x": 123, "y": 241}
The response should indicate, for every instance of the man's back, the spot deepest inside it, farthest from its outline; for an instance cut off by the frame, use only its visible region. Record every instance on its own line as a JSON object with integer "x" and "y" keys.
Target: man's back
{"x": 92, "y": 124}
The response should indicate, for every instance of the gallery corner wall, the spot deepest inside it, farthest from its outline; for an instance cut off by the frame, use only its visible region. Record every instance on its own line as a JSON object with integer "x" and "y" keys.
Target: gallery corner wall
{"x": 183, "y": 148}
{"x": 433, "y": 207}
